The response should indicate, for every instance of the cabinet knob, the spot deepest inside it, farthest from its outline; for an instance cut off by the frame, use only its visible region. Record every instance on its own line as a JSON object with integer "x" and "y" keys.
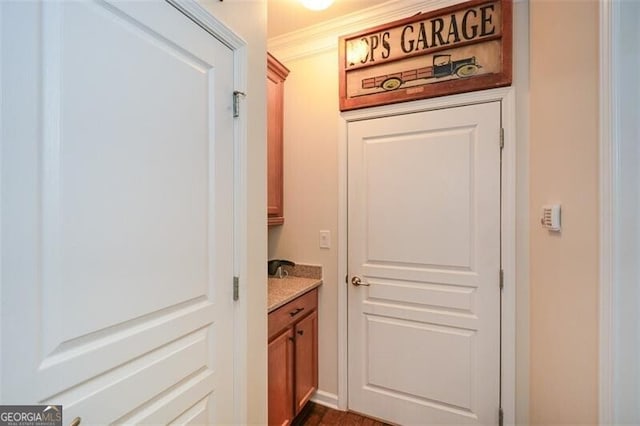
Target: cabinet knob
{"x": 301, "y": 332}
{"x": 76, "y": 421}
{"x": 296, "y": 312}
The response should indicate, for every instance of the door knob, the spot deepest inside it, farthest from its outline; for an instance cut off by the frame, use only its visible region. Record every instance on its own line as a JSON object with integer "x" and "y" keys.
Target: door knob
{"x": 358, "y": 282}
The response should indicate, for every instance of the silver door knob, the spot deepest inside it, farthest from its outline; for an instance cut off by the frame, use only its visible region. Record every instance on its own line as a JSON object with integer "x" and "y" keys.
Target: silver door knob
{"x": 358, "y": 282}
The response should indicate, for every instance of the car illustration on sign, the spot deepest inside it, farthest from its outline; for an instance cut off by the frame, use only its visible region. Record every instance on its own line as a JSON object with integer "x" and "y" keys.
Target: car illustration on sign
{"x": 442, "y": 66}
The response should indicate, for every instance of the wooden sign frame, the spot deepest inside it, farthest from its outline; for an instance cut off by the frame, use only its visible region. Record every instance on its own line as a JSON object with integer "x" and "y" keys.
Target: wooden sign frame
{"x": 456, "y": 49}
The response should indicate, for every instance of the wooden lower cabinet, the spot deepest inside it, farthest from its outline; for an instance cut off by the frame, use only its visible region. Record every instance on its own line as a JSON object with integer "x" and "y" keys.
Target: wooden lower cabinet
{"x": 306, "y": 360}
{"x": 293, "y": 358}
{"x": 281, "y": 379}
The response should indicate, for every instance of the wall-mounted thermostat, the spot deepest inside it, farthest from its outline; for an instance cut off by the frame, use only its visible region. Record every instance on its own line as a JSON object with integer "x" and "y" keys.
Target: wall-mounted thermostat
{"x": 551, "y": 217}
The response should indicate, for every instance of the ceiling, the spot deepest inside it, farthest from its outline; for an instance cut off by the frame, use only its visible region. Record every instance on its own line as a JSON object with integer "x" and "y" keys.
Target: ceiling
{"x": 284, "y": 16}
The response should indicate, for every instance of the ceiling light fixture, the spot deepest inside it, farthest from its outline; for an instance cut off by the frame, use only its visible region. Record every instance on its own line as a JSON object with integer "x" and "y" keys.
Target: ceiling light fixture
{"x": 316, "y": 4}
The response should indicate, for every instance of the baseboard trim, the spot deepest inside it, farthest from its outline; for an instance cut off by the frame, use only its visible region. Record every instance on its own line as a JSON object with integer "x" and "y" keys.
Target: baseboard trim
{"x": 327, "y": 399}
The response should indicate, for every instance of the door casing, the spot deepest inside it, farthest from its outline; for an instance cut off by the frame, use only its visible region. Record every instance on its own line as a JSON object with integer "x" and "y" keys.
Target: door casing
{"x": 200, "y": 16}
{"x": 506, "y": 96}
{"x": 616, "y": 273}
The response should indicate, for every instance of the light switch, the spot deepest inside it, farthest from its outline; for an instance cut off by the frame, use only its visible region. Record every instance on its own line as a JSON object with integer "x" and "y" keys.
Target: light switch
{"x": 325, "y": 239}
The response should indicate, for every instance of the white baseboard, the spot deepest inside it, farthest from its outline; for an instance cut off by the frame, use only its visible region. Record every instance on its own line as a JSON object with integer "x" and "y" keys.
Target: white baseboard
{"x": 327, "y": 399}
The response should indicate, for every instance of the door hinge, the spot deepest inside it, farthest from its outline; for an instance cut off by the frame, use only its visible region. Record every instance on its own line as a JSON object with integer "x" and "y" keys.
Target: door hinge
{"x": 502, "y": 138}
{"x": 236, "y": 288}
{"x": 500, "y": 417}
{"x": 501, "y": 279}
{"x": 236, "y": 102}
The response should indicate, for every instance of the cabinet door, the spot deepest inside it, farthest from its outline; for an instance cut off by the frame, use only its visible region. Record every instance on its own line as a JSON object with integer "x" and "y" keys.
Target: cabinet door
{"x": 306, "y": 366}
{"x": 276, "y": 74}
{"x": 281, "y": 379}
{"x": 274, "y": 148}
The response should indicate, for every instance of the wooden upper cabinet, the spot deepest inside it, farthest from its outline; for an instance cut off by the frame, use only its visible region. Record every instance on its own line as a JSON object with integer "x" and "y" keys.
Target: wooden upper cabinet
{"x": 276, "y": 75}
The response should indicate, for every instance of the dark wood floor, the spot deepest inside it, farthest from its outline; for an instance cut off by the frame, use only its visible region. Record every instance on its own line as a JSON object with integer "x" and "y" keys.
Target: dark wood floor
{"x": 319, "y": 415}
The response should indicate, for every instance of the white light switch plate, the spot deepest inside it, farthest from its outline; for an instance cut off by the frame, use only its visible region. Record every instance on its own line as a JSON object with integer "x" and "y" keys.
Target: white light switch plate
{"x": 325, "y": 239}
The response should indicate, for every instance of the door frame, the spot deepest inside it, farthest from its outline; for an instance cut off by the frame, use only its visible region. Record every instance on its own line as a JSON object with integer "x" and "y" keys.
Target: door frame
{"x": 614, "y": 270}
{"x": 204, "y": 19}
{"x": 608, "y": 195}
{"x": 507, "y": 98}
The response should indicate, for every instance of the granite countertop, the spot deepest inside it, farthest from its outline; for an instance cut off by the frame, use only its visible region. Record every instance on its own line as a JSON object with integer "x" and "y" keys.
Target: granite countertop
{"x": 300, "y": 280}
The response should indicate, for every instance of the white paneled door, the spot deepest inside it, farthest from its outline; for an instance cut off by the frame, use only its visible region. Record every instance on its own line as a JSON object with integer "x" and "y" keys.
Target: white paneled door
{"x": 424, "y": 266}
{"x": 117, "y": 222}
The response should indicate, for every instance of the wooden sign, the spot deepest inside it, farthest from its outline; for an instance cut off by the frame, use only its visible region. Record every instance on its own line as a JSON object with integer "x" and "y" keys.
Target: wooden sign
{"x": 457, "y": 49}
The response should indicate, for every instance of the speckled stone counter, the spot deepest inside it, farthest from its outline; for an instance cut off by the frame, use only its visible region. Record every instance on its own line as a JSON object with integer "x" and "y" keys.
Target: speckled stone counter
{"x": 301, "y": 279}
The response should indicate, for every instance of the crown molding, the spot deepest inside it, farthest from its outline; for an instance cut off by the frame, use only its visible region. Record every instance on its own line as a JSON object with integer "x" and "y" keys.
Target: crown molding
{"x": 324, "y": 36}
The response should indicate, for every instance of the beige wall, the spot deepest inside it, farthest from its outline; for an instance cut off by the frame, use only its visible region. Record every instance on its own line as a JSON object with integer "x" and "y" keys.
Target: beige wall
{"x": 564, "y": 169}
{"x": 248, "y": 20}
{"x": 557, "y": 274}
{"x": 311, "y": 190}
